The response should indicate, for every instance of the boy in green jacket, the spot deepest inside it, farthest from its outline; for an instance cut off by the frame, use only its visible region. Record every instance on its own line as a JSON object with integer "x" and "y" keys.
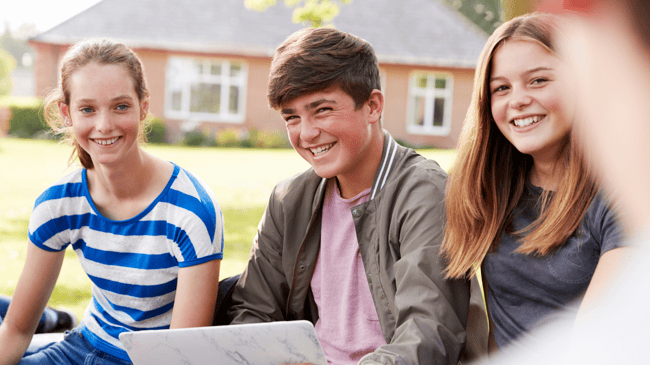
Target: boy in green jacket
{"x": 352, "y": 243}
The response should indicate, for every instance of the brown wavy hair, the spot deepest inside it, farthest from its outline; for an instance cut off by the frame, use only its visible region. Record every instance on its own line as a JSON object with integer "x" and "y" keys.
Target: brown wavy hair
{"x": 488, "y": 178}
{"x": 317, "y": 59}
{"x": 102, "y": 52}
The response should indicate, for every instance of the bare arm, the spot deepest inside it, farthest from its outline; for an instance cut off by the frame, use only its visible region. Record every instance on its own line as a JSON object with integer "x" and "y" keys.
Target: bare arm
{"x": 34, "y": 288}
{"x": 196, "y": 295}
{"x": 609, "y": 266}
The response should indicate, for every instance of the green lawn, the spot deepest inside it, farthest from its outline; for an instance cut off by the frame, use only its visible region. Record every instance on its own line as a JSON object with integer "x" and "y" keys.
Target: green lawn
{"x": 241, "y": 179}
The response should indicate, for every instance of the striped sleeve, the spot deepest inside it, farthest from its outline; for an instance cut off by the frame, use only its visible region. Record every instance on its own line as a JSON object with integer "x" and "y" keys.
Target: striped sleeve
{"x": 195, "y": 221}
{"x": 57, "y": 211}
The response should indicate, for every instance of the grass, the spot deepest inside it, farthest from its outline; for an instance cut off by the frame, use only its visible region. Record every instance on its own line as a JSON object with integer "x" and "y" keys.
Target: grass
{"x": 242, "y": 180}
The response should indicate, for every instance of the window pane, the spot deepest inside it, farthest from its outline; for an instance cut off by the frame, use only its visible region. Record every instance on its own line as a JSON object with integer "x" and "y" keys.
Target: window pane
{"x": 441, "y": 83}
{"x": 234, "y": 100}
{"x": 235, "y": 70}
{"x": 421, "y": 82}
{"x": 205, "y": 98}
{"x": 215, "y": 69}
{"x": 438, "y": 112}
{"x": 177, "y": 97}
{"x": 418, "y": 110}
{"x": 198, "y": 66}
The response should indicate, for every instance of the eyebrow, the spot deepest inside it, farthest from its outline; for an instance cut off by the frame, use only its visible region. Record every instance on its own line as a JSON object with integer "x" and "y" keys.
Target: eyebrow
{"x": 117, "y": 98}
{"x": 310, "y": 106}
{"x": 527, "y": 72}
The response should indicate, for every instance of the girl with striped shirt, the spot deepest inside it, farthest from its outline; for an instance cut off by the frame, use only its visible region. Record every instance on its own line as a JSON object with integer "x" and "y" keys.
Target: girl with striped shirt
{"x": 148, "y": 233}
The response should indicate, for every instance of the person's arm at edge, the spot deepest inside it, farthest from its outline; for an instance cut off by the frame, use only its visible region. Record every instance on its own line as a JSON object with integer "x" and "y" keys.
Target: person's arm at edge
{"x": 196, "y": 295}
{"x": 32, "y": 293}
{"x": 609, "y": 265}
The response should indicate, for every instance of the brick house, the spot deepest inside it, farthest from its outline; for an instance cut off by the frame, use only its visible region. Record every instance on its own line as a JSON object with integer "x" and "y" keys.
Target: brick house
{"x": 206, "y": 62}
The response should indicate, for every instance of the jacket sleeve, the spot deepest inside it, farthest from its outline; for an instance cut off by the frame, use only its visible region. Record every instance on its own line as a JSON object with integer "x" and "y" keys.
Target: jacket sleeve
{"x": 261, "y": 292}
{"x": 430, "y": 312}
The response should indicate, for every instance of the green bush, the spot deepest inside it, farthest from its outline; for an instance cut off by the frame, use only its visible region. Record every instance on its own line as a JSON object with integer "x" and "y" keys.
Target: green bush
{"x": 198, "y": 138}
{"x": 228, "y": 138}
{"x": 28, "y": 122}
{"x": 156, "y": 130}
{"x": 252, "y": 139}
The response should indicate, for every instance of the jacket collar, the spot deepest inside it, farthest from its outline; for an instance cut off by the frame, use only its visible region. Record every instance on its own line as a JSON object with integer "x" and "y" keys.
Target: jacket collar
{"x": 388, "y": 155}
{"x": 387, "y": 158}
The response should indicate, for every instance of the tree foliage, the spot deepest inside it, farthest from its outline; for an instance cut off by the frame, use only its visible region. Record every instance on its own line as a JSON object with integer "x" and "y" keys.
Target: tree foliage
{"x": 316, "y": 13}
{"x": 7, "y": 65}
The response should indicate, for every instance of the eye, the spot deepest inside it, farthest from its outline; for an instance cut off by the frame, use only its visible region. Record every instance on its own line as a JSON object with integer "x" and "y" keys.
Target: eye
{"x": 323, "y": 109}
{"x": 122, "y": 107}
{"x": 539, "y": 80}
{"x": 86, "y": 110}
{"x": 499, "y": 88}
{"x": 291, "y": 119}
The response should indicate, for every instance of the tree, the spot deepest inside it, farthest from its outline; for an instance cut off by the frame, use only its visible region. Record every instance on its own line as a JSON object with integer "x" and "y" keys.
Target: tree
{"x": 317, "y": 13}
{"x": 7, "y": 65}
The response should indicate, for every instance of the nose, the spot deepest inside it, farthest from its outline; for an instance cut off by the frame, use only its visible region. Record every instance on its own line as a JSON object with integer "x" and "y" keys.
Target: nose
{"x": 103, "y": 122}
{"x": 308, "y": 130}
{"x": 519, "y": 98}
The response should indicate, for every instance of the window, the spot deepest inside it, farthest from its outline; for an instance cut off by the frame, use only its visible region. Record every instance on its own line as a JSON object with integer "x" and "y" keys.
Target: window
{"x": 429, "y": 105}
{"x": 205, "y": 90}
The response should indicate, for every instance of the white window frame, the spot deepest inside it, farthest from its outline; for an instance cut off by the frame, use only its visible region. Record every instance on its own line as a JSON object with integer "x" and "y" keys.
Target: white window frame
{"x": 188, "y": 77}
{"x": 430, "y": 93}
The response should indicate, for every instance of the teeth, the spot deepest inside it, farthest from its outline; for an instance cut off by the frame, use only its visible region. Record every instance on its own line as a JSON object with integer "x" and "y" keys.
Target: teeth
{"x": 321, "y": 150}
{"x": 106, "y": 142}
{"x": 527, "y": 121}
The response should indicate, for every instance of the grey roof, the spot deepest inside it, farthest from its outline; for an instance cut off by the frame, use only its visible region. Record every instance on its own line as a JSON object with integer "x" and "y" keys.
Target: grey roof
{"x": 417, "y": 32}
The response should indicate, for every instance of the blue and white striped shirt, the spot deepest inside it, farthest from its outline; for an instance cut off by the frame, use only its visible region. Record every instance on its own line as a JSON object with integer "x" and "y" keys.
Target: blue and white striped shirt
{"x": 133, "y": 264}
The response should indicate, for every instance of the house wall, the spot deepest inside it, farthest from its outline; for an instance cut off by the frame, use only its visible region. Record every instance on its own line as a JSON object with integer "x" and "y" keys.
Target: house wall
{"x": 397, "y": 78}
{"x": 46, "y": 66}
{"x": 257, "y": 113}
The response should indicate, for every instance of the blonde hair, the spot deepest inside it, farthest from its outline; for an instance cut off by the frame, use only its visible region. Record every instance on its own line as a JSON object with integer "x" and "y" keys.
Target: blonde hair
{"x": 102, "y": 52}
{"x": 488, "y": 178}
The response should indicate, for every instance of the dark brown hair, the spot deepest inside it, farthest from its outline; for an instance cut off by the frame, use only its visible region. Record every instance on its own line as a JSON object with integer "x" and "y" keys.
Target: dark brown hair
{"x": 316, "y": 59}
{"x": 487, "y": 180}
{"x": 102, "y": 52}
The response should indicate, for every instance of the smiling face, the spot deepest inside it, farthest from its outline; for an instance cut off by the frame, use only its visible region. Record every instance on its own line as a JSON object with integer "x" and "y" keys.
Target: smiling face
{"x": 335, "y": 137}
{"x": 104, "y": 112}
{"x": 527, "y": 99}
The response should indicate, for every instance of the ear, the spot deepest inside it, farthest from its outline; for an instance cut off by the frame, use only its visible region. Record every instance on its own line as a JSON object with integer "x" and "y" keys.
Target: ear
{"x": 144, "y": 109}
{"x": 65, "y": 113}
{"x": 376, "y": 104}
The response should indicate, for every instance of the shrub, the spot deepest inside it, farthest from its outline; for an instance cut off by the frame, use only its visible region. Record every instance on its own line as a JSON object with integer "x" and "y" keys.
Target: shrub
{"x": 156, "y": 130}
{"x": 228, "y": 138}
{"x": 28, "y": 122}
{"x": 252, "y": 138}
{"x": 198, "y": 138}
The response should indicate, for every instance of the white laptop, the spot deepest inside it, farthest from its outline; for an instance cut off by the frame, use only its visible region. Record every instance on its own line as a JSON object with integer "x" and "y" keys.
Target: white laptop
{"x": 291, "y": 342}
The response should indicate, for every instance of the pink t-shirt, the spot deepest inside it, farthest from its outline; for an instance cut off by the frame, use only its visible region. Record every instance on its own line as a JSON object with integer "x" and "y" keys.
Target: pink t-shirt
{"x": 347, "y": 327}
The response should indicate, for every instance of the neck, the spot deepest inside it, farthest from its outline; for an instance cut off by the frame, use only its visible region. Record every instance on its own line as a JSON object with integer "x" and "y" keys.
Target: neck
{"x": 353, "y": 183}
{"x": 543, "y": 174}
{"x": 123, "y": 180}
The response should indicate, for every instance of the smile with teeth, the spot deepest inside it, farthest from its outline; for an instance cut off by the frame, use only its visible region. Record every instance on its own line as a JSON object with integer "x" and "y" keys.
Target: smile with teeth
{"x": 105, "y": 142}
{"x": 320, "y": 150}
{"x": 524, "y": 122}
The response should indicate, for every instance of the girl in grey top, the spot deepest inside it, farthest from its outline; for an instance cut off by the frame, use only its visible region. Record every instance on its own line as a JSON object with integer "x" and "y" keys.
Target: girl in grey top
{"x": 521, "y": 202}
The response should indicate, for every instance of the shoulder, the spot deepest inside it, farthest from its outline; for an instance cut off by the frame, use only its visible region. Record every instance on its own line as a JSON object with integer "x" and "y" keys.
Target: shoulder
{"x": 191, "y": 193}
{"x": 69, "y": 186}
{"x": 414, "y": 171}
{"x": 296, "y": 186}
{"x": 604, "y": 222}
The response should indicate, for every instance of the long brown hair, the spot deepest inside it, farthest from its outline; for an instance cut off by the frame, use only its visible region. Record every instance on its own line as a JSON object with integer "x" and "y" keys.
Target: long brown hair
{"x": 488, "y": 178}
{"x": 100, "y": 51}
